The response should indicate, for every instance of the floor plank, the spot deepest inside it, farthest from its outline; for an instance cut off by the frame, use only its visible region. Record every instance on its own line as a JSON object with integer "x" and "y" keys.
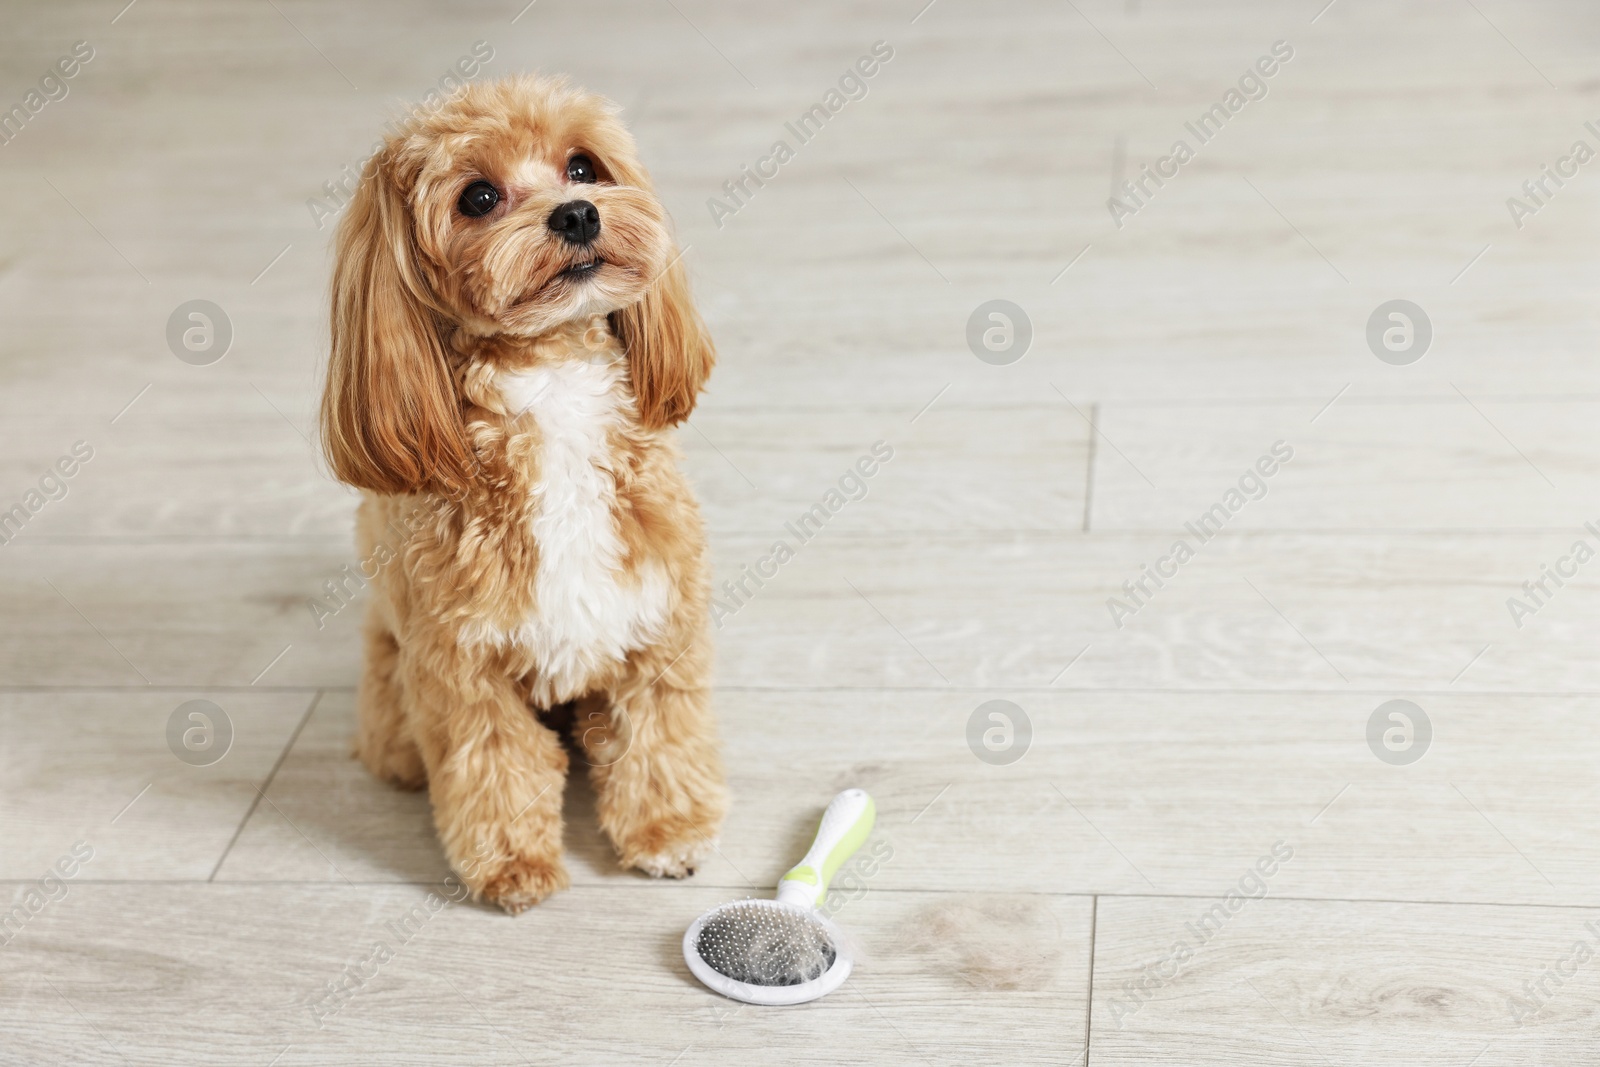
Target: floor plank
{"x": 102, "y": 768}
{"x": 1267, "y": 981}
{"x": 249, "y": 470}
{"x": 114, "y": 974}
{"x": 1322, "y": 612}
{"x": 1497, "y": 809}
{"x": 1457, "y": 463}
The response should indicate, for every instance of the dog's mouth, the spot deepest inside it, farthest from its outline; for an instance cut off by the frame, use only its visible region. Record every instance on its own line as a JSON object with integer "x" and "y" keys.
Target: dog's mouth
{"x": 588, "y": 284}
{"x": 579, "y": 271}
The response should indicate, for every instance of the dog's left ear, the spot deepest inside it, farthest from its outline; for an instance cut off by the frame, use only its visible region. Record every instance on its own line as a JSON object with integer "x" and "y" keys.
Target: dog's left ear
{"x": 669, "y": 351}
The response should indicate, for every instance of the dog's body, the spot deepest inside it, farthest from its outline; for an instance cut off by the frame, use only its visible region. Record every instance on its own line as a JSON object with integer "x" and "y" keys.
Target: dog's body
{"x": 502, "y": 383}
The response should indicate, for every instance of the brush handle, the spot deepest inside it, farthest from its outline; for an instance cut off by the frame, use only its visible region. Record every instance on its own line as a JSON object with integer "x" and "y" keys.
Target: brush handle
{"x": 845, "y": 825}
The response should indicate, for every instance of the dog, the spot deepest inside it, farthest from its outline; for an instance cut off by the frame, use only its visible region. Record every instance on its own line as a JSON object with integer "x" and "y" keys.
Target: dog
{"x": 512, "y": 341}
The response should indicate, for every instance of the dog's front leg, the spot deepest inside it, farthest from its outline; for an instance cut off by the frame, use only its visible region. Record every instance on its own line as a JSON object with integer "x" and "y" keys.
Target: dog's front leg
{"x": 495, "y": 774}
{"x": 654, "y": 763}
{"x": 383, "y": 738}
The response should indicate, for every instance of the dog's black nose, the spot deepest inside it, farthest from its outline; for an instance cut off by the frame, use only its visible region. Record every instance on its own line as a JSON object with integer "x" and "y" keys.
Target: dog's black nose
{"x": 576, "y": 221}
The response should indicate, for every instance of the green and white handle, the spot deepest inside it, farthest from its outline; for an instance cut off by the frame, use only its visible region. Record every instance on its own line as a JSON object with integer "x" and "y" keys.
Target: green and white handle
{"x": 845, "y": 826}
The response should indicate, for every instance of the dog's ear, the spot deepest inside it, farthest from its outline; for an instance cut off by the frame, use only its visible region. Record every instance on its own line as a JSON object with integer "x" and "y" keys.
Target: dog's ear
{"x": 669, "y": 351}
{"x": 391, "y": 420}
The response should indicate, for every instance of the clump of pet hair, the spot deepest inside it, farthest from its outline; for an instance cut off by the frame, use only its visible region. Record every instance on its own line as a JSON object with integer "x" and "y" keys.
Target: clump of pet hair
{"x": 991, "y": 942}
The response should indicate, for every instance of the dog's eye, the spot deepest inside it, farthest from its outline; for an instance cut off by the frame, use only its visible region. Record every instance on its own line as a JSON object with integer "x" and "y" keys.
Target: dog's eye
{"x": 478, "y": 199}
{"x": 580, "y": 168}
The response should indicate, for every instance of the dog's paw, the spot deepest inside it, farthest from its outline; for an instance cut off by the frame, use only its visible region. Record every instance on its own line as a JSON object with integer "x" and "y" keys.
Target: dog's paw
{"x": 519, "y": 883}
{"x": 665, "y": 838}
{"x": 400, "y": 766}
{"x": 677, "y": 860}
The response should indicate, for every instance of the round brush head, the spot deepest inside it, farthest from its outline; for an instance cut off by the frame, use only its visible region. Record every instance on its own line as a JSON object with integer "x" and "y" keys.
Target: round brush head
{"x": 766, "y": 952}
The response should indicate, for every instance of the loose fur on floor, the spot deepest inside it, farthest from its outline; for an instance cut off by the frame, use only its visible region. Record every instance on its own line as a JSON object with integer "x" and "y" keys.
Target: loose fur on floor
{"x": 513, "y": 339}
{"x": 989, "y": 941}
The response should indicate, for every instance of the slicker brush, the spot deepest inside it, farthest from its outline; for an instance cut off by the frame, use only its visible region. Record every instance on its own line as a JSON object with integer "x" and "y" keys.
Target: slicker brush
{"x": 783, "y": 951}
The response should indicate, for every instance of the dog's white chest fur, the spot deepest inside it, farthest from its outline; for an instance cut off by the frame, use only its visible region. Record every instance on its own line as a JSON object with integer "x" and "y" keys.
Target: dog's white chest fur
{"x": 586, "y": 612}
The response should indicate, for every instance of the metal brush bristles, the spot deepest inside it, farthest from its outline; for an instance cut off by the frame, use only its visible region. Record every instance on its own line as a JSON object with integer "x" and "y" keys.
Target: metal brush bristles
{"x": 764, "y": 943}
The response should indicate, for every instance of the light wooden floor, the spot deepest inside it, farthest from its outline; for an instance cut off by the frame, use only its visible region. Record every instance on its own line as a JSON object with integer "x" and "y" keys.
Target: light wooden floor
{"x": 1226, "y": 718}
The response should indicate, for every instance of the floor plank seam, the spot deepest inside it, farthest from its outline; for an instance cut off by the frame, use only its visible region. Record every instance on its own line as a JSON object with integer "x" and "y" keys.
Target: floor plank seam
{"x": 943, "y": 534}
{"x": 652, "y": 886}
{"x": 1088, "y": 1006}
{"x": 802, "y": 689}
{"x": 261, "y": 790}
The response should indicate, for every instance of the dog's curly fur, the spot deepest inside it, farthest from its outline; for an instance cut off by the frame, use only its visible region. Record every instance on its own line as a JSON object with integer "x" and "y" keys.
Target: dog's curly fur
{"x": 516, "y": 420}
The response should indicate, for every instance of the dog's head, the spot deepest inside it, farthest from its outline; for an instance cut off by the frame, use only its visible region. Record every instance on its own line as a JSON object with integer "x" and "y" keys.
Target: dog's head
{"x": 516, "y": 207}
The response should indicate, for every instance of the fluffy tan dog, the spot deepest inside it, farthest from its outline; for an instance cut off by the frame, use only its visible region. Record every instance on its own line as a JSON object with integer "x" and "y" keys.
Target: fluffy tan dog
{"x": 512, "y": 340}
